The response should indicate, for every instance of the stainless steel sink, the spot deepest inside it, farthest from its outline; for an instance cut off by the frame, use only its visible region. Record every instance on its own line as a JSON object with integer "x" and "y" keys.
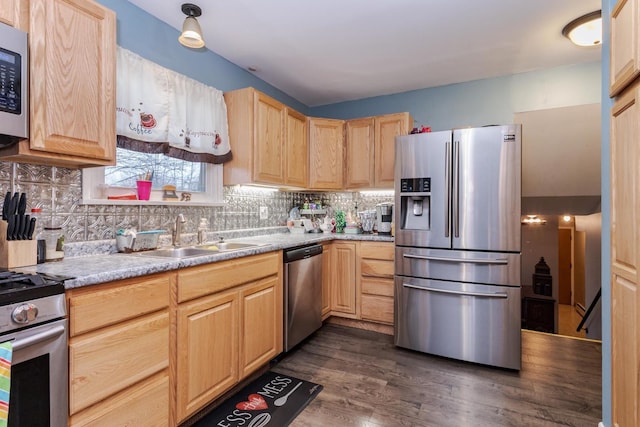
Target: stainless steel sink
{"x": 179, "y": 252}
{"x": 228, "y": 246}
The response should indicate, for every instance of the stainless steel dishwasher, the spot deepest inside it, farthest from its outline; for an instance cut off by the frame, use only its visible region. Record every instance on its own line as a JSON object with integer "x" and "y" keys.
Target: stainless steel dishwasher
{"x": 302, "y": 293}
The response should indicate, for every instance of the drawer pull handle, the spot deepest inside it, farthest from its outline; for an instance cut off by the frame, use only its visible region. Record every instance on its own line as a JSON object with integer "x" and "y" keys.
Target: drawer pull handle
{"x": 499, "y": 261}
{"x": 470, "y": 294}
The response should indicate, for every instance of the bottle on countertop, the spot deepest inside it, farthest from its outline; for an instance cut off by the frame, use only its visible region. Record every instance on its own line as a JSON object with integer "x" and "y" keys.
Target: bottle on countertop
{"x": 203, "y": 229}
{"x": 39, "y": 235}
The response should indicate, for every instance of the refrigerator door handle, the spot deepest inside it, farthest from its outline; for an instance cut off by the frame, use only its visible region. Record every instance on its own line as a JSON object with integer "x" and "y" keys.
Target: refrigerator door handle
{"x": 463, "y": 293}
{"x": 447, "y": 174}
{"x": 502, "y": 261}
{"x": 456, "y": 189}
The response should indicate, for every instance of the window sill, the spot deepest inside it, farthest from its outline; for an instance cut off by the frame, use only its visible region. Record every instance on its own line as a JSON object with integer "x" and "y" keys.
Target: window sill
{"x": 146, "y": 203}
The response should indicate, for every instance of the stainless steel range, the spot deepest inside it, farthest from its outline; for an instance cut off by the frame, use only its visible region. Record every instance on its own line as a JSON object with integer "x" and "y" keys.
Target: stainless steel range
{"x": 33, "y": 318}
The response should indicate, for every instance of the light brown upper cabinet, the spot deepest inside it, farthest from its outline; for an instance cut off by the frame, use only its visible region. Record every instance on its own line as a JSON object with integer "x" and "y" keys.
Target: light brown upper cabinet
{"x": 359, "y": 143}
{"x": 256, "y": 135}
{"x": 296, "y": 173}
{"x": 625, "y": 46}
{"x": 326, "y": 153}
{"x": 387, "y": 127}
{"x": 72, "y": 77}
{"x": 268, "y": 141}
{"x": 10, "y": 12}
{"x": 370, "y": 150}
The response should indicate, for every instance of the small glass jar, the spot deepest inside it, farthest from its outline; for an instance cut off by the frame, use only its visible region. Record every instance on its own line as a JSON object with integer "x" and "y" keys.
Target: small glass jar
{"x": 54, "y": 238}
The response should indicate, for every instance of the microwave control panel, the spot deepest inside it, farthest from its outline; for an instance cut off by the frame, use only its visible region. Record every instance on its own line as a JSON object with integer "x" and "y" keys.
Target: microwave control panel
{"x": 10, "y": 82}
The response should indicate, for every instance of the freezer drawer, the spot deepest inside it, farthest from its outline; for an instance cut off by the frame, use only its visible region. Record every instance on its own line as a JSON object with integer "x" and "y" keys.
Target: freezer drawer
{"x": 489, "y": 268}
{"x": 476, "y": 323}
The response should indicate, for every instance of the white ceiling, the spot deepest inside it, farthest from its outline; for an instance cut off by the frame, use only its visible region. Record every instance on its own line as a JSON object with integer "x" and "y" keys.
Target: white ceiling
{"x": 337, "y": 50}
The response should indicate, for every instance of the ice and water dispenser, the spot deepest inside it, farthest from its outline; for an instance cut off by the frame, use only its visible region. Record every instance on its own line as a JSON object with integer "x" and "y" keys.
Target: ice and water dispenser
{"x": 415, "y": 203}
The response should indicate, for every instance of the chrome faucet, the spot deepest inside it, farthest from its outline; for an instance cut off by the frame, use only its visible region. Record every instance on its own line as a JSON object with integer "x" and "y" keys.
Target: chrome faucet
{"x": 176, "y": 236}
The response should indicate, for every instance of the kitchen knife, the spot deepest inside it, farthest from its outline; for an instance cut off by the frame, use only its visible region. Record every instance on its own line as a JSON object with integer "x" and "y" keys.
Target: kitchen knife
{"x": 32, "y": 227}
{"x": 13, "y": 206}
{"x": 26, "y": 219}
{"x": 22, "y": 204}
{"x": 11, "y": 224}
{"x": 5, "y": 205}
{"x": 16, "y": 227}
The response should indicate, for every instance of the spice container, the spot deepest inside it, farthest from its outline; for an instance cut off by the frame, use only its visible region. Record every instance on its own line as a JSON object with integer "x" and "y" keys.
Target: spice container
{"x": 54, "y": 241}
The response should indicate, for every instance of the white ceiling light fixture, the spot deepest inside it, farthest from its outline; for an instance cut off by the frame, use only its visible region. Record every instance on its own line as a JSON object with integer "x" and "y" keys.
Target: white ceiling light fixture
{"x": 585, "y": 30}
{"x": 191, "y": 33}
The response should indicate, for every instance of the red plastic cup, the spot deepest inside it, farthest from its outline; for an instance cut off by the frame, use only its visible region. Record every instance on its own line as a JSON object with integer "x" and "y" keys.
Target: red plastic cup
{"x": 144, "y": 190}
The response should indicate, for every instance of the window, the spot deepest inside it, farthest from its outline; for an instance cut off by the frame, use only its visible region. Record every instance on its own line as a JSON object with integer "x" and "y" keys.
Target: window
{"x": 131, "y": 165}
{"x": 202, "y": 180}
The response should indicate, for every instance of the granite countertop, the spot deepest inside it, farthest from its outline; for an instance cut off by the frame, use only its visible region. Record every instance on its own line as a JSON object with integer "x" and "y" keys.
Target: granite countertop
{"x": 108, "y": 266}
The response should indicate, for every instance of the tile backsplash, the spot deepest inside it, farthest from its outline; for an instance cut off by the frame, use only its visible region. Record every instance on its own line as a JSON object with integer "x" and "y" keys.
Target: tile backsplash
{"x": 58, "y": 191}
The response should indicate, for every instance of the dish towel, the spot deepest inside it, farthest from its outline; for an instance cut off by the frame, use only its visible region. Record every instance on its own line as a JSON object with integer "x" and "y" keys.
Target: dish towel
{"x": 6, "y": 350}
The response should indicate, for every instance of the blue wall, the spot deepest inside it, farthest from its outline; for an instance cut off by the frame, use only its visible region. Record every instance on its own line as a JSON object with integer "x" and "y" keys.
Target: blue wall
{"x": 156, "y": 41}
{"x": 481, "y": 102}
{"x": 607, "y": 103}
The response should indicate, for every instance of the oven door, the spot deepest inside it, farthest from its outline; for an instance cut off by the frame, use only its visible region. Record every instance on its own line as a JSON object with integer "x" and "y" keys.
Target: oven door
{"x": 39, "y": 376}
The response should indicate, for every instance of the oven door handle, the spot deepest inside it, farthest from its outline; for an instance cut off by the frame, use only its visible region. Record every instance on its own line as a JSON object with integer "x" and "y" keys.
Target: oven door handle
{"x": 54, "y": 332}
{"x": 500, "y": 261}
{"x": 471, "y": 294}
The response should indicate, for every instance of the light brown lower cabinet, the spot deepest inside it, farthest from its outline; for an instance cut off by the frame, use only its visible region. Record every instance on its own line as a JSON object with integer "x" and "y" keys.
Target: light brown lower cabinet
{"x": 358, "y": 280}
{"x": 119, "y": 352}
{"x": 229, "y": 324}
{"x": 375, "y": 273}
{"x": 343, "y": 279}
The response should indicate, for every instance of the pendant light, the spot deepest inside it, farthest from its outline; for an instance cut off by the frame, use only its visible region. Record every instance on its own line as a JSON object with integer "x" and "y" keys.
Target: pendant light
{"x": 191, "y": 33}
{"x": 585, "y": 30}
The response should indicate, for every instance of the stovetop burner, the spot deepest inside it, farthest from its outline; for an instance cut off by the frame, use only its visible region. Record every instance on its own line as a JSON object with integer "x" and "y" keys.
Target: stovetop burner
{"x": 18, "y": 287}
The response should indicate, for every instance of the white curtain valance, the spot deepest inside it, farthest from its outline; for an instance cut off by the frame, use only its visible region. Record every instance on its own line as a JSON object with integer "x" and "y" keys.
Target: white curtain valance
{"x": 159, "y": 110}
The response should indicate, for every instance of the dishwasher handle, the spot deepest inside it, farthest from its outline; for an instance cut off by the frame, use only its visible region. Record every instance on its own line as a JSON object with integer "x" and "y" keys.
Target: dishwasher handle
{"x": 296, "y": 254}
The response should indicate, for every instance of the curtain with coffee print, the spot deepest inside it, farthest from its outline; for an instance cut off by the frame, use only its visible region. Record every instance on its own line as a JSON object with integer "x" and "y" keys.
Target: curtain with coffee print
{"x": 161, "y": 111}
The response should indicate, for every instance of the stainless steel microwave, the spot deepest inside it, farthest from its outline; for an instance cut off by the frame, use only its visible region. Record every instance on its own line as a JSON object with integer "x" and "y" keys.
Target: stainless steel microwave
{"x": 14, "y": 95}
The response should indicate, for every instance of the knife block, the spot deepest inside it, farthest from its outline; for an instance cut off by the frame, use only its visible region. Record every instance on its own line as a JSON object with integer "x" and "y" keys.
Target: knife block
{"x": 16, "y": 253}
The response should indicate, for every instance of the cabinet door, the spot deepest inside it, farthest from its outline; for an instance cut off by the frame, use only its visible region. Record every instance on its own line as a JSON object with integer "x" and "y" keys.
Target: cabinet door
{"x": 387, "y": 127}
{"x": 112, "y": 359}
{"x": 268, "y": 166}
{"x": 343, "y": 290}
{"x": 72, "y": 79}
{"x": 325, "y": 154}
{"x": 207, "y": 351}
{"x": 625, "y": 215}
{"x": 327, "y": 278}
{"x": 297, "y": 149}
{"x": 10, "y": 12}
{"x": 146, "y": 404}
{"x": 359, "y": 153}
{"x": 261, "y": 324}
{"x": 625, "y": 45}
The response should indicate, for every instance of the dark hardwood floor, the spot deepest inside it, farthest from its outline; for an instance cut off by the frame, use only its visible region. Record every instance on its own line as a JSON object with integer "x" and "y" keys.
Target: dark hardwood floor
{"x": 368, "y": 382}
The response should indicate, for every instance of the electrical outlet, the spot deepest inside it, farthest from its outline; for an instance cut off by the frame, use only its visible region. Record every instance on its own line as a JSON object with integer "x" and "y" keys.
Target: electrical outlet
{"x": 264, "y": 212}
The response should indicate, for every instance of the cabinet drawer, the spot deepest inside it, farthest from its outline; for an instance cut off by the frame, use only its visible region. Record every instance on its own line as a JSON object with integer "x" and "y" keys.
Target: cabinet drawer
{"x": 106, "y": 362}
{"x": 377, "y": 308}
{"x": 375, "y": 286}
{"x": 144, "y": 405}
{"x": 376, "y": 268}
{"x": 383, "y": 251}
{"x": 204, "y": 280}
{"x": 94, "y": 307}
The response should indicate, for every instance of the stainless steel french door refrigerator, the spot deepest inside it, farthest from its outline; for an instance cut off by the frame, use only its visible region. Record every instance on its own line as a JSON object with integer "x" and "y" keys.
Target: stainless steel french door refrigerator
{"x": 457, "y": 265}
